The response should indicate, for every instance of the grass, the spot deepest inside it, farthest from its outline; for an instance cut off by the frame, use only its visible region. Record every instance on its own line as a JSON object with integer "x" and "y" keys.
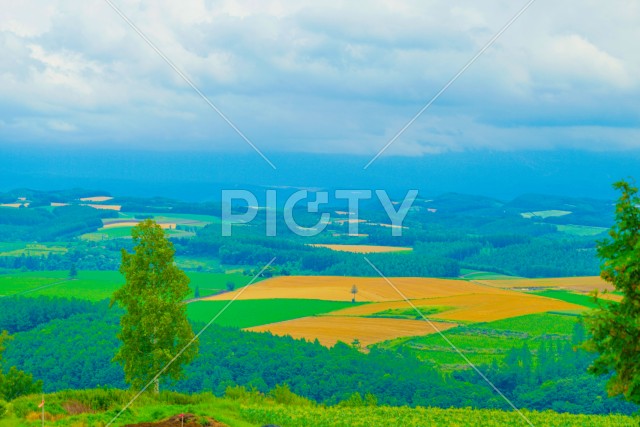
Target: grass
{"x": 125, "y": 233}
{"x": 534, "y": 324}
{"x": 483, "y": 275}
{"x": 99, "y": 285}
{"x": 545, "y": 214}
{"x": 248, "y": 313}
{"x": 186, "y": 219}
{"x": 252, "y": 409}
{"x": 98, "y": 407}
{"x": 581, "y": 230}
{"x": 410, "y": 313}
{"x": 483, "y": 342}
{"x": 17, "y": 250}
{"x": 579, "y": 299}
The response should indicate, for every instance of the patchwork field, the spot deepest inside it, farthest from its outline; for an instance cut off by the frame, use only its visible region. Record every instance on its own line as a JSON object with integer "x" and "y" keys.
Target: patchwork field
{"x": 329, "y": 330}
{"x": 370, "y": 289}
{"x": 484, "y": 342}
{"x": 33, "y": 250}
{"x": 363, "y": 249}
{"x": 247, "y": 313}
{"x": 478, "y": 307}
{"x": 99, "y": 285}
{"x": 580, "y": 284}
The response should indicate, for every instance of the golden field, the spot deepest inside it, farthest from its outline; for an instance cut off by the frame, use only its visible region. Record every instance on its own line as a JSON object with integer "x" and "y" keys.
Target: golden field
{"x": 329, "y": 330}
{"x": 370, "y": 289}
{"x": 480, "y": 307}
{"x": 363, "y": 249}
{"x": 580, "y": 284}
{"x": 118, "y": 224}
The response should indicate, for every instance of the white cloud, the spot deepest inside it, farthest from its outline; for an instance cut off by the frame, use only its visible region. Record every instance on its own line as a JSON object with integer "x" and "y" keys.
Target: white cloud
{"x": 333, "y": 76}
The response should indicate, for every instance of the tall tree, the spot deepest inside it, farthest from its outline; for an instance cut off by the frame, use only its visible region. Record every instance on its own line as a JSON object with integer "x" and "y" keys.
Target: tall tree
{"x": 615, "y": 328}
{"x": 154, "y": 328}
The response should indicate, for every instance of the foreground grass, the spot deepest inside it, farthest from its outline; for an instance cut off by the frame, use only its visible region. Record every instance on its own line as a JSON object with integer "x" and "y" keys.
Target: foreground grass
{"x": 88, "y": 408}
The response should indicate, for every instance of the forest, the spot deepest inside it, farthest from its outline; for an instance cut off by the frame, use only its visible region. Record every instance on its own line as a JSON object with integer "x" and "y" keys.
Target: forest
{"x": 84, "y": 343}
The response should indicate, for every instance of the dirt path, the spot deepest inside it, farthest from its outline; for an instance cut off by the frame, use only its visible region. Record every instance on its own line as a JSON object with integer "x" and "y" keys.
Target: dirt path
{"x": 190, "y": 420}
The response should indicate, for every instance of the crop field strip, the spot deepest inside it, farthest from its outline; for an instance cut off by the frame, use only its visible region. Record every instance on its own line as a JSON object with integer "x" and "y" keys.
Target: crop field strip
{"x": 580, "y": 284}
{"x": 483, "y": 343}
{"x": 370, "y": 289}
{"x": 363, "y": 249}
{"x": 100, "y": 285}
{"x": 329, "y": 330}
{"x": 477, "y": 307}
{"x": 249, "y": 313}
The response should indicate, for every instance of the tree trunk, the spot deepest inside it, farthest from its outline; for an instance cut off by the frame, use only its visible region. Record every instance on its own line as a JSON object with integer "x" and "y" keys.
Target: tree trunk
{"x": 156, "y": 386}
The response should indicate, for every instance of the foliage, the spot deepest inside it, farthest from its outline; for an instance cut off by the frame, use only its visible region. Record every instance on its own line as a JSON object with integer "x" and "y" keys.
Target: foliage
{"x": 614, "y": 328}
{"x": 14, "y": 383}
{"x": 20, "y": 314}
{"x": 154, "y": 329}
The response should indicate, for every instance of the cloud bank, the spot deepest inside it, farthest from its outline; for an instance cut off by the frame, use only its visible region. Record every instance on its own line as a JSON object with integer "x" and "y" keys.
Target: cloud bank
{"x": 326, "y": 77}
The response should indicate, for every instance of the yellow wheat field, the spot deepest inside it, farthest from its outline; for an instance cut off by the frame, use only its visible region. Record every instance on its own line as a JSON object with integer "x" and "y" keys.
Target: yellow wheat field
{"x": 105, "y": 207}
{"x": 481, "y": 307}
{"x": 329, "y": 330}
{"x": 581, "y": 284}
{"x": 96, "y": 199}
{"x": 370, "y": 289}
{"x": 363, "y": 249}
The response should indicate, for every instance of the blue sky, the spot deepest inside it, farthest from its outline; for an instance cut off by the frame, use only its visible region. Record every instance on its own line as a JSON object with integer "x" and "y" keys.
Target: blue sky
{"x": 321, "y": 77}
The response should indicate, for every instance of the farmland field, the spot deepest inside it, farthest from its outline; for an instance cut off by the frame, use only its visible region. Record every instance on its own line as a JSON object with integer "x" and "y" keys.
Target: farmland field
{"x": 574, "y": 298}
{"x": 338, "y": 288}
{"x": 470, "y": 307}
{"x": 581, "y": 284}
{"x": 363, "y": 249}
{"x": 247, "y": 313}
{"x": 124, "y": 232}
{"x": 329, "y": 330}
{"x": 483, "y": 343}
{"x": 31, "y": 250}
{"x": 99, "y": 285}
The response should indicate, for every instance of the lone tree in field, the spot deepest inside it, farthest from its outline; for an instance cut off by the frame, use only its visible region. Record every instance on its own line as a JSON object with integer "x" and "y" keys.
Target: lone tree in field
{"x": 354, "y": 291}
{"x": 154, "y": 328}
{"x": 615, "y": 328}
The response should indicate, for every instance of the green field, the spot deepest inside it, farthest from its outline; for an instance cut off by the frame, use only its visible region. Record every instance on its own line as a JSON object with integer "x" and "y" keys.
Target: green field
{"x": 572, "y": 297}
{"x": 99, "y": 285}
{"x": 483, "y": 275}
{"x": 545, "y": 214}
{"x": 484, "y": 342}
{"x": 125, "y": 233}
{"x": 247, "y": 313}
{"x": 187, "y": 219}
{"x": 20, "y": 249}
{"x": 581, "y": 230}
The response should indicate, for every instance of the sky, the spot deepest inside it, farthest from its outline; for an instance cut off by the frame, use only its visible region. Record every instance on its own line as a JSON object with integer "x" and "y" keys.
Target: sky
{"x": 321, "y": 77}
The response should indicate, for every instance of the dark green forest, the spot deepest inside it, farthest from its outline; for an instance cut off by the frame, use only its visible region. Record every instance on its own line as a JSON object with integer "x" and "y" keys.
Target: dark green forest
{"x": 81, "y": 346}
